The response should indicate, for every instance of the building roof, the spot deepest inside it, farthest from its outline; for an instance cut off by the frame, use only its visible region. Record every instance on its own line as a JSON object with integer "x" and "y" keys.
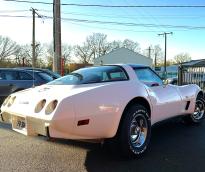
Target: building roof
{"x": 123, "y": 49}
{"x": 196, "y": 63}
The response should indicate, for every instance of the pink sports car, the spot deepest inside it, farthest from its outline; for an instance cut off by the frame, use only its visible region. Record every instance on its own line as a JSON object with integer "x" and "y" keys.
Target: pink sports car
{"x": 117, "y": 102}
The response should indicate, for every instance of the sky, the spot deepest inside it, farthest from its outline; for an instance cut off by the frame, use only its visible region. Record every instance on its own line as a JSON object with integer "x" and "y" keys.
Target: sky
{"x": 182, "y": 40}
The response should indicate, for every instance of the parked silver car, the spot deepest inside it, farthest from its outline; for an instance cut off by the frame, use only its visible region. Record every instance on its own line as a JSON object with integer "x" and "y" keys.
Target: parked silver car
{"x": 13, "y": 80}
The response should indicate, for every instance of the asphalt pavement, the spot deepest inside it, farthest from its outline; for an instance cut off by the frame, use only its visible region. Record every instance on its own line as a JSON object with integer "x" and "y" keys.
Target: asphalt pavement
{"x": 174, "y": 147}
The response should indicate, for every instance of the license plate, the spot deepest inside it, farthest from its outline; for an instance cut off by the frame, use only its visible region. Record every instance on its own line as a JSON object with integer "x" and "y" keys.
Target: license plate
{"x": 21, "y": 124}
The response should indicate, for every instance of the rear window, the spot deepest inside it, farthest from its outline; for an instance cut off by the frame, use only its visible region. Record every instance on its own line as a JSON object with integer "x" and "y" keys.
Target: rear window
{"x": 92, "y": 75}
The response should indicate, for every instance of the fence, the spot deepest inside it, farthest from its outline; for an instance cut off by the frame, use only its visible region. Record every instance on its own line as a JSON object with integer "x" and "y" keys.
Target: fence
{"x": 168, "y": 75}
{"x": 192, "y": 75}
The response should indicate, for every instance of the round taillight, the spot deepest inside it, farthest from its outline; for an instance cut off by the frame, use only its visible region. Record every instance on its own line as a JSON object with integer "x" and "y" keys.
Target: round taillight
{"x": 40, "y": 106}
{"x": 51, "y": 107}
{"x": 11, "y": 101}
{"x": 6, "y": 100}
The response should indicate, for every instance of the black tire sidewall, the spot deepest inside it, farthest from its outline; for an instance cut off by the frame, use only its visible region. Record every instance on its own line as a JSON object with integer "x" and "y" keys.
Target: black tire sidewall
{"x": 199, "y": 98}
{"x": 126, "y": 145}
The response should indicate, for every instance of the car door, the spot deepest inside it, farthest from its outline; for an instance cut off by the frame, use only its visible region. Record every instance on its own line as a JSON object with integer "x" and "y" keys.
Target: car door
{"x": 24, "y": 80}
{"x": 165, "y": 99}
{"x": 6, "y": 83}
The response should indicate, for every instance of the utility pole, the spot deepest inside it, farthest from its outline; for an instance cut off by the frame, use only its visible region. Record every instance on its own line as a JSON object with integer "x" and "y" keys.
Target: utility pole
{"x": 165, "y": 51}
{"x": 57, "y": 36}
{"x": 149, "y": 51}
{"x": 33, "y": 37}
{"x": 33, "y": 40}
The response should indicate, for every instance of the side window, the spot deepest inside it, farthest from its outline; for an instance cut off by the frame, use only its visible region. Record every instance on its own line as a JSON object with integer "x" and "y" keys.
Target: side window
{"x": 148, "y": 77}
{"x": 117, "y": 75}
{"x": 104, "y": 76}
{"x": 2, "y": 75}
{"x": 8, "y": 75}
{"x": 112, "y": 75}
{"x": 24, "y": 76}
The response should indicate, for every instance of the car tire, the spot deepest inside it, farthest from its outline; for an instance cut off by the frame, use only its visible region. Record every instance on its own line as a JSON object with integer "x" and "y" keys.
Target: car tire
{"x": 199, "y": 112}
{"x": 135, "y": 131}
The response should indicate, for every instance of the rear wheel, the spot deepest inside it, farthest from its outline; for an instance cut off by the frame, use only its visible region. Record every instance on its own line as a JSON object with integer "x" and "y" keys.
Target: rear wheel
{"x": 135, "y": 131}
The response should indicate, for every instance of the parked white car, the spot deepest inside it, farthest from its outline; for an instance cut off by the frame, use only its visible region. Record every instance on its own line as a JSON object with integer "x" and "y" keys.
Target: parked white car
{"x": 106, "y": 102}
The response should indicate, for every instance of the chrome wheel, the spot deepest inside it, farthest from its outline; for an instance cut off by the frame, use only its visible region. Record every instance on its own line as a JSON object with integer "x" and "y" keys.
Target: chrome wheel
{"x": 199, "y": 110}
{"x": 138, "y": 130}
{"x": 135, "y": 131}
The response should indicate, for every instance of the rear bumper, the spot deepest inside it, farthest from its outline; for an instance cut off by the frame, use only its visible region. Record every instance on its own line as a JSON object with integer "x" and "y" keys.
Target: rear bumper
{"x": 26, "y": 125}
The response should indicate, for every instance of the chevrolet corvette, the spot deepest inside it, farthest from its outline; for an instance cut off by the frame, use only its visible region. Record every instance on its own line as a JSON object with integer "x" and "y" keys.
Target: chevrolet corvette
{"x": 100, "y": 103}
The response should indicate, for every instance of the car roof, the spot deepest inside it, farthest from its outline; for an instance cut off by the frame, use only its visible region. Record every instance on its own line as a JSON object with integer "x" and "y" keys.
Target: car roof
{"x": 19, "y": 70}
{"x": 138, "y": 66}
{"x": 14, "y": 69}
{"x": 40, "y": 70}
{"x": 133, "y": 65}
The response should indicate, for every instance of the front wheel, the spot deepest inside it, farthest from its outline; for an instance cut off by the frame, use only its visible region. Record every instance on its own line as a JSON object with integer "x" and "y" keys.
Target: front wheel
{"x": 135, "y": 131}
{"x": 199, "y": 111}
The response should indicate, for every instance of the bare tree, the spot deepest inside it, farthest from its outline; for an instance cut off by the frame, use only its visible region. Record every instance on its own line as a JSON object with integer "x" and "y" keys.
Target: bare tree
{"x": 95, "y": 46}
{"x": 98, "y": 44}
{"x": 182, "y": 57}
{"x": 84, "y": 53}
{"x": 25, "y": 54}
{"x": 49, "y": 54}
{"x": 131, "y": 45}
{"x": 7, "y": 48}
{"x": 158, "y": 54}
{"x": 67, "y": 51}
{"x": 115, "y": 45}
{"x": 127, "y": 43}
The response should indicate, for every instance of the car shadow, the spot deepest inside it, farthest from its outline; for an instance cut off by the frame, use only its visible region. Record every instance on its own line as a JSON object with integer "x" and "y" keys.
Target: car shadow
{"x": 174, "y": 147}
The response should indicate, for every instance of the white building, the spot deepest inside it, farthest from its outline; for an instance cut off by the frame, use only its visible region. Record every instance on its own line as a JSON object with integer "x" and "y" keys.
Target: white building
{"x": 123, "y": 55}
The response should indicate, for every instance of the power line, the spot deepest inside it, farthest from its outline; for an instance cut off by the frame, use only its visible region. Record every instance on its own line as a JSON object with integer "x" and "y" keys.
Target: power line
{"x": 110, "y": 15}
{"x": 115, "y": 23}
{"x": 124, "y": 30}
{"x": 132, "y": 24}
{"x": 128, "y": 16}
{"x": 111, "y": 6}
{"x": 16, "y": 16}
{"x": 30, "y": 2}
{"x": 74, "y": 23}
{"x": 12, "y": 11}
{"x": 137, "y": 6}
{"x": 116, "y": 16}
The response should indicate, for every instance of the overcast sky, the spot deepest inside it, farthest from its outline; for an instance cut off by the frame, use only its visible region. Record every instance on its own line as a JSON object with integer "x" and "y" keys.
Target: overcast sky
{"x": 183, "y": 39}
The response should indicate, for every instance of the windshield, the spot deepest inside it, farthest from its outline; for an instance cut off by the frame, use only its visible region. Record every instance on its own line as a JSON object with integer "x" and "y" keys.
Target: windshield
{"x": 45, "y": 76}
{"x": 92, "y": 75}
